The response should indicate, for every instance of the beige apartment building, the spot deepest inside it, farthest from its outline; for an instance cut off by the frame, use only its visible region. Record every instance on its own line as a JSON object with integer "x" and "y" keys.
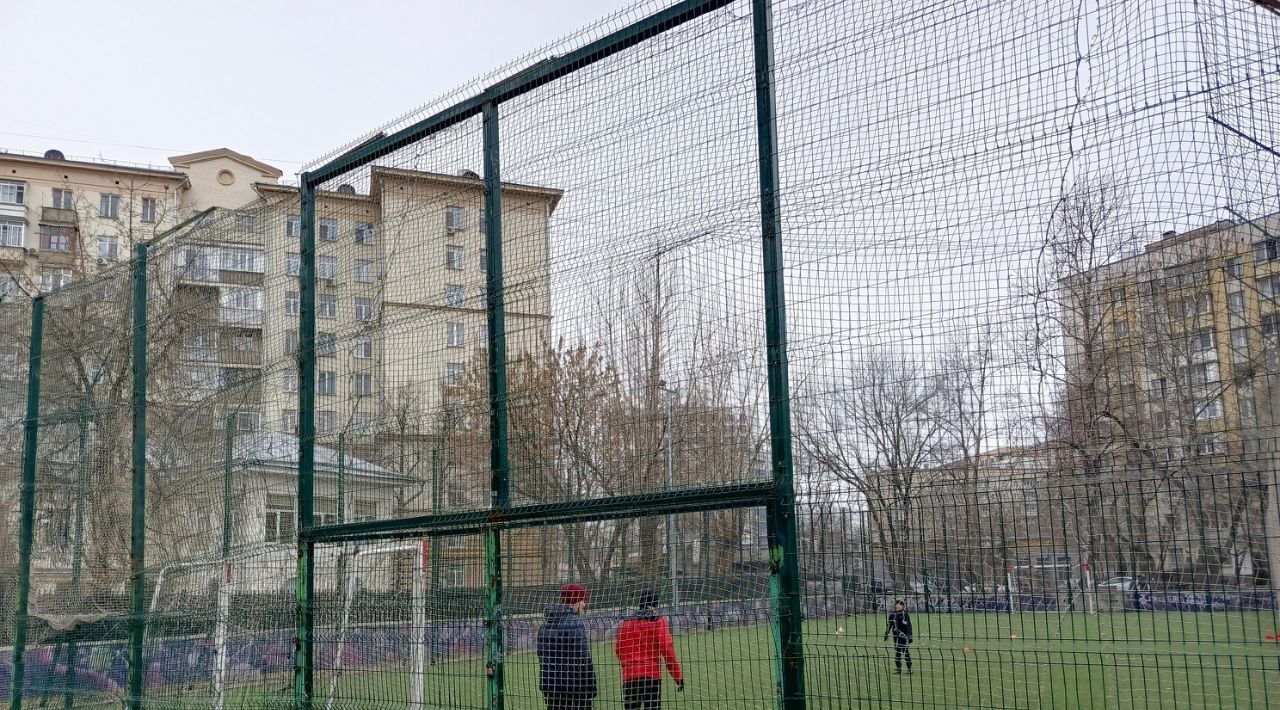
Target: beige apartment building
{"x": 1173, "y": 364}
{"x": 400, "y": 303}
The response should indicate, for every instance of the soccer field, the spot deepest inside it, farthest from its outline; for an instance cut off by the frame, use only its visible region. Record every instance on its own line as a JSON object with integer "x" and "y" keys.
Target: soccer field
{"x": 1219, "y": 660}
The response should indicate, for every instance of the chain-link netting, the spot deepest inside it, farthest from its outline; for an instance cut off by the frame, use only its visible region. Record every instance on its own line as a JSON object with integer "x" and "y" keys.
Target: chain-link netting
{"x": 1031, "y": 330}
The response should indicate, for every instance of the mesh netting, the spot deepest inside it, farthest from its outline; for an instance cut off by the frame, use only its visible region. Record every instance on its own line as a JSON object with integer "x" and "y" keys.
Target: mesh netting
{"x": 1031, "y": 344}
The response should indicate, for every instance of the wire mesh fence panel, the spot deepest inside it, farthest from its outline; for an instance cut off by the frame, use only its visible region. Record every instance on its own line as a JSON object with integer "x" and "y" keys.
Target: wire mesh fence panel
{"x": 1022, "y": 365}
{"x": 80, "y": 556}
{"x": 695, "y": 631}
{"x": 15, "y": 322}
{"x": 401, "y": 624}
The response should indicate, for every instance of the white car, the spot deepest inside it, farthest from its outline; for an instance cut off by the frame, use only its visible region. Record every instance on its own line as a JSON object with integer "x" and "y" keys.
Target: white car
{"x": 1124, "y": 584}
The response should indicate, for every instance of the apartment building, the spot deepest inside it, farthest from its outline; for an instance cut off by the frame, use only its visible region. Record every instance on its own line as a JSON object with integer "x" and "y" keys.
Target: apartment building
{"x": 400, "y": 301}
{"x": 1173, "y": 384}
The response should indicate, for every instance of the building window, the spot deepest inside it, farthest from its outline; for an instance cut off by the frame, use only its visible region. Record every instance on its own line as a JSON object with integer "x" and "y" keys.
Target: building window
{"x": 1235, "y": 302}
{"x": 454, "y": 296}
{"x": 454, "y": 576}
{"x": 364, "y": 271}
{"x": 364, "y": 308}
{"x": 1117, "y": 298}
{"x": 108, "y": 247}
{"x": 13, "y": 234}
{"x": 63, "y": 199}
{"x": 109, "y": 205}
{"x": 247, "y": 223}
{"x": 1269, "y": 286}
{"x": 362, "y": 424}
{"x": 1208, "y": 409}
{"x": 1203, "y": 342}
{"x": 291, "y": 343}
{"x": 327, "y": 228}
{"x": 326, "y": 421}
{"x": 482, "y": 336}
{"x": 455, "y": 334}
{"x": 455, "y": 218}
{"x": 242, "y": 259}
{"x": 364, "y": 234}
{"x": 293, "y": 264}
{"x": 1204, "y": 373}
{"x": 454, "y": 372}
{"x": 1207, "y": 444}
{"x": 1121, "y": 328}
{"x": 363, "y": 384}
{"x": 1235, "y": 268}
{"x": 148, "y": 209}
{"x": 364, "y": 347}
{"x": 326, "y": 345}
{"x": 289, "y": 419}
{"x": 280, "y": 516}
{"x": 1247, "y": 404}
{"x": 454, "y": 256}
{"x": 247, "y": 421}
{"x": 1266, "y": 250}
{"x": 200, "y": 345}
{"x": 326, "y": 267}
{"x": 289, "y": 381}
{"x": 326, "y": 383}
{"x": 362, "y": 511}
{"x": 1204, "y": 304}
{"x": 244, "y": 343}
{"x": 293, "y": 225}
{"x": 326, "y": 511}
{"x": 55, "y": 238}
{"x": 292, "y": 304}
{"x": 326, "y": 305}
{"x": 12, "y": 193}
{"x": 52, "y": 279}
{"x": 1240, "y": 342}
{"x": 484, "y": 261}
{"x": 242, "y": 305}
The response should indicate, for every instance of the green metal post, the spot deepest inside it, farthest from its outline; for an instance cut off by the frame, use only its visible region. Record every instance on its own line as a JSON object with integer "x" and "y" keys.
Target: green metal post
{"x": 228, "y": 449}
{"x": 500, "y": 484}
{"x": 783, "y": 554}
{"x": 304, "y": 642}
{"x": 138, "y": 534}
{"x": 342, "y": 479}
{"x": 30, "y": 433}
{"x": 435, "y": 550}
{"x": 77, "y": 551}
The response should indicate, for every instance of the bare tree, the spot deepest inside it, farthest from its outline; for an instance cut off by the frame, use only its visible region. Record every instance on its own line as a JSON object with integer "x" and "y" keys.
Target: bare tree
{"x": 876, "y": 434}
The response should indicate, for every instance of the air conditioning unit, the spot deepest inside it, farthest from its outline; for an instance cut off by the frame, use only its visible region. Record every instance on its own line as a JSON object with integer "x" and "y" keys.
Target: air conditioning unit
{"x": 32, "y": 251}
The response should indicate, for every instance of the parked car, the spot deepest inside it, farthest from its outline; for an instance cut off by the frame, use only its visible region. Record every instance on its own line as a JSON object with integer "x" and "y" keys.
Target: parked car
{"x": 1125, "y": 584}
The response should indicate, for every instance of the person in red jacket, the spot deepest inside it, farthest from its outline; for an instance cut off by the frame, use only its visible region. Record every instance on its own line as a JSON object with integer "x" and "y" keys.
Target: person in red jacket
{"x": 644, "y": 646}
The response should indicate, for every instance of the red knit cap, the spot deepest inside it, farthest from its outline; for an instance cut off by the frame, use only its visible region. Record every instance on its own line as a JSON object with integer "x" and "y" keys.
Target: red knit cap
{"x": 572, "y": 594}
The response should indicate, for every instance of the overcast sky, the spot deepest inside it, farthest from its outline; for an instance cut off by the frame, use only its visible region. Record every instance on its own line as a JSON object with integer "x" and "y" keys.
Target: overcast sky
{"x": 144, "y": 80}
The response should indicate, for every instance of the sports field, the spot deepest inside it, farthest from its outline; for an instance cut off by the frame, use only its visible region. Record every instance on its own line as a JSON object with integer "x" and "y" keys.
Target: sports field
{"x": 1218, "y": 660}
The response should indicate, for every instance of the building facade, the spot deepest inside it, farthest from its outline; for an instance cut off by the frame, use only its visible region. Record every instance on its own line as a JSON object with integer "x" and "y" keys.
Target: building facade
{"x": 401, "y": 318}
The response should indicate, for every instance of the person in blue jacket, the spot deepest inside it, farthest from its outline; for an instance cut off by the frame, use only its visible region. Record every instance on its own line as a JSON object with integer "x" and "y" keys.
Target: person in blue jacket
{"x": 899, "y": 627}
{"x": 568, "y": 677}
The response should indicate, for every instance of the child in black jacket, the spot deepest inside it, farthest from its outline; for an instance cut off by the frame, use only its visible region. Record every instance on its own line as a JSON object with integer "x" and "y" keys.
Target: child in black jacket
{"x": 900, "y": 628}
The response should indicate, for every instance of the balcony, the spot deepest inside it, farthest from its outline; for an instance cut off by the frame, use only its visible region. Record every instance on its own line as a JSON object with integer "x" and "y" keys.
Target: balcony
{"x": 240, "y": 317}
{"x": 55, "y": 215}
{"x": 13, "y": 254}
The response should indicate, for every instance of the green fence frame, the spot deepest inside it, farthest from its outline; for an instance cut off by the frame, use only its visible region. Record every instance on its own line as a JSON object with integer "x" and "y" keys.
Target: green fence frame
{"x": 777, "y": 495}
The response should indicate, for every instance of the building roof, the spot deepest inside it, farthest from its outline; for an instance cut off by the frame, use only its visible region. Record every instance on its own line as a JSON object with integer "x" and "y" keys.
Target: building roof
{"x": 552, "y": 195}
{"x": 87, "y": 165}
{"x": 182, "y": 161}
{"x": 276, "y": 450}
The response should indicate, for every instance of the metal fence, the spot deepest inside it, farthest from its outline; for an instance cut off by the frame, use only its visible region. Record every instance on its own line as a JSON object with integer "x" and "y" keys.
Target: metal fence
{"x": 755, "y": 317}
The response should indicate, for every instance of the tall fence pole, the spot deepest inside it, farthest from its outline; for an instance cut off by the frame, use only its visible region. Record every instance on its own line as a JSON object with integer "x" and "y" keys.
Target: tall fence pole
{"x": 304, "y": 641}
{"x": 30, "y": 435}
{"x": 138, "y": 529}
{"x": 500, "y": 484}
{"x": 783, "y": 552}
